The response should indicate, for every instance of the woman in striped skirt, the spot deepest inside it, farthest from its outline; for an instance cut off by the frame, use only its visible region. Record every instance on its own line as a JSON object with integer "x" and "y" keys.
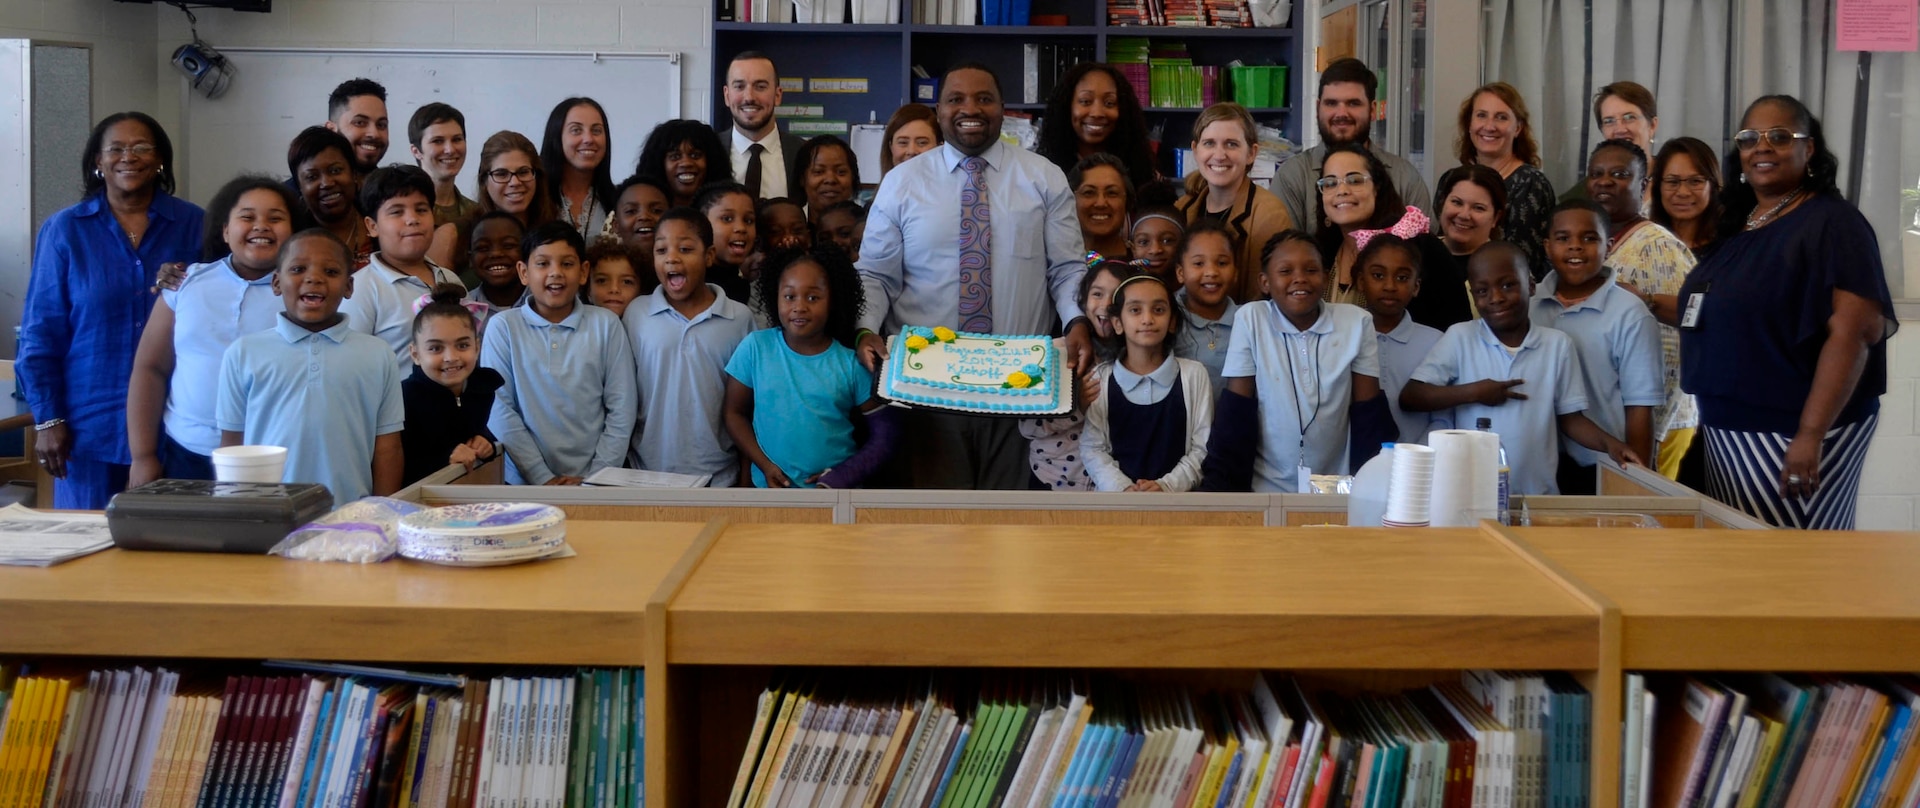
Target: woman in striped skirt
{"x": 1783, "y": 330}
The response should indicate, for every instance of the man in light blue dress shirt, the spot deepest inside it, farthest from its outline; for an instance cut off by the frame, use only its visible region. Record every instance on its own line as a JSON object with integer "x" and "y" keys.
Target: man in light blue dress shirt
{"x": 909, "y": 261}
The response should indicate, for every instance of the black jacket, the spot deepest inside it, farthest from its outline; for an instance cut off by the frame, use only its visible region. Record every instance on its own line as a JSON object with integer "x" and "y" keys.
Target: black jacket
{"x": 438, "y": 420}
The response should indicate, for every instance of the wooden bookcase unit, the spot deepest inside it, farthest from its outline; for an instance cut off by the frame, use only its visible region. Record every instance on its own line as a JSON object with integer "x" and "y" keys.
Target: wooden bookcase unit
{"x": 885, "y": 55}
{"x": 709, "y": 609}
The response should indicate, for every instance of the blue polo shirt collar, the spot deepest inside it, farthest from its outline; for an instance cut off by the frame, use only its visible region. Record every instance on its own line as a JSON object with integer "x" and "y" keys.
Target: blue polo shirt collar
{"x": 1322, "y": 326}
{"x": 1402, "y": 333}
{"x": 295, "y": 333}
{"x": 1596, "y": 301}
{"x": 570, "y": 322}
{"x": 1530, "y": 342}
{"x": 657, "y": 303}
{"x": 1226, "y": 317}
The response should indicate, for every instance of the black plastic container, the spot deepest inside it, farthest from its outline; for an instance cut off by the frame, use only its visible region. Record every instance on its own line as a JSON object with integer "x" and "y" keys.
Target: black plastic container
{"x": 212, "y": 517}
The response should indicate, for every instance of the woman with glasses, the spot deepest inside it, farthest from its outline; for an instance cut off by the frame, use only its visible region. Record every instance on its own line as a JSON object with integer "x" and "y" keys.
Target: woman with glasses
{"x": 1647, "y": 260}
{"x": 95, "y": 269}
{"x": 1357, "y": 202}
{"x": 1687, "y": 201}
{"x": 1494, "y": 131}
{"x": 512, "y": 180}
{"x": 1783, "y": 329}
{"x": 1625, "y": 110}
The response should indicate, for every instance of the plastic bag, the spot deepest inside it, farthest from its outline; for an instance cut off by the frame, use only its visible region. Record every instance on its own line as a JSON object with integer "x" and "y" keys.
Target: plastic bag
{"x": 365, "y": 531}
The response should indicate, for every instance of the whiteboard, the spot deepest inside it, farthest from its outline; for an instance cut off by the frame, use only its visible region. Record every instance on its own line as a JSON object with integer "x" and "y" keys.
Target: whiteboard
{"x": 276, "y": 92}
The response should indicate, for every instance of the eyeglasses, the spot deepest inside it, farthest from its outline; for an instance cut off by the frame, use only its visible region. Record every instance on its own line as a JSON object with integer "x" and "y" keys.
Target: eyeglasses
{"x": 1695, "y": 183}
{"x": 1353, "y": 179}
{"x": 116, "y": 151}
{"x": 1620, "y": 174}
{"x": 1779, "y": 138}
{"x": 1627, "y": 119}
{"x": 500, "y": 176}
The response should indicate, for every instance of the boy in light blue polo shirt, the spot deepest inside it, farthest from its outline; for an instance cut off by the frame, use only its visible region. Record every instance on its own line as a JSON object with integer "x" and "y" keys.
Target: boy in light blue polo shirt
{"x": 683, "y": 334}
{"x": 328, "y": 393}
{"x": 397, "y": 203}
{"x": 1614, "y": 334}
{"x": 568, "y": 405}
{"x": 1525, "y": 378}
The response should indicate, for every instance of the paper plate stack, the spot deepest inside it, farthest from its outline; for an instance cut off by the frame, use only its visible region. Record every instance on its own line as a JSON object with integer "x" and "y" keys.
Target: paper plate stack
{"x": 483, "y": 534}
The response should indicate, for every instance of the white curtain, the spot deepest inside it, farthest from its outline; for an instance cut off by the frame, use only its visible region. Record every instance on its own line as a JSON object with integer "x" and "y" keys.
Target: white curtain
{"x": 1676, "y": 48}
{"x": 1679, "y": 49}
{"x": 1883, "y": 148}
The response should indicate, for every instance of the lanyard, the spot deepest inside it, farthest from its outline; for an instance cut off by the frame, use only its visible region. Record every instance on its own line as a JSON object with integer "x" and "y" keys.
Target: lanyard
{"x": 1300, "y": 416}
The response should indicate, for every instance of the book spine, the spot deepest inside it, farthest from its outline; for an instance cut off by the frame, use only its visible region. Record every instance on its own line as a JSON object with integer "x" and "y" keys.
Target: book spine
{"x": 230, "y": 706}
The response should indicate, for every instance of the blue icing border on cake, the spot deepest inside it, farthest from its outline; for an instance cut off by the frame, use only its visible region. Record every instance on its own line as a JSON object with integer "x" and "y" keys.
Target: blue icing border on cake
{"x": 1053, "y": 391}
{"x": 1047, "y": 355}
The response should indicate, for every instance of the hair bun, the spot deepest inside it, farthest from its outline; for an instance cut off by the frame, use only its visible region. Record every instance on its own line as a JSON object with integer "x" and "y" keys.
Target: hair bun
{"x": 449, "y": 293}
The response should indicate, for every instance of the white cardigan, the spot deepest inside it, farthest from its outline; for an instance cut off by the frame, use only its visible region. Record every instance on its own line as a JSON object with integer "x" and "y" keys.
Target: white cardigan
{"x": 1096, "y": 445}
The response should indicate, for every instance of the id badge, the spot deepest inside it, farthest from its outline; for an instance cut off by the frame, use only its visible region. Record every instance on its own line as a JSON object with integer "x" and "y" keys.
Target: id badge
{"x": 1304, "y": 476}
{"x": 1690, "y": 319}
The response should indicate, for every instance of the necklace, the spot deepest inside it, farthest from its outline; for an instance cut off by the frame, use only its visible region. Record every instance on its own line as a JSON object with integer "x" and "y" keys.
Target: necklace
{"x": 1753, "y": 222}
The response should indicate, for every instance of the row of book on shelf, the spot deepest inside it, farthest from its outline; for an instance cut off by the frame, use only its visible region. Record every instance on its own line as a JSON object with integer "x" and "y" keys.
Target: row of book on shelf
{"x": 1770, "y": 741}
{"x": 1035, "y": 740}
{"x": 153, "y": 737}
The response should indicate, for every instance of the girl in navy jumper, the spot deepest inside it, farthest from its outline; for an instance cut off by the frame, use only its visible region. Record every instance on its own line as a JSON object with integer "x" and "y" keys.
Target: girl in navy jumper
{"x": 1147, "y": 431}
{"x": 449, "y": 396}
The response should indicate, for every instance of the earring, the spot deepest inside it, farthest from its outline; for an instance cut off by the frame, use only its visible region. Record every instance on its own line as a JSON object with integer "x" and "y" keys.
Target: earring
{"x": 97, "y": 175}
{"x": 1743, "y": 178}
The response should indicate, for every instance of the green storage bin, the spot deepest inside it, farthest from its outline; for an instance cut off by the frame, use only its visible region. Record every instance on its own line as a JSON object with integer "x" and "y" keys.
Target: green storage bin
{"x": 1251, "y": 87}
{"x": 1277, "y": 91}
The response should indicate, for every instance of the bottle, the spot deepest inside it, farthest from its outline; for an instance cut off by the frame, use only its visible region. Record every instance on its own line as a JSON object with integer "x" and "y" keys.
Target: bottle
{"x": 1367, "y": 499}
{"x": 1503, "y": 501}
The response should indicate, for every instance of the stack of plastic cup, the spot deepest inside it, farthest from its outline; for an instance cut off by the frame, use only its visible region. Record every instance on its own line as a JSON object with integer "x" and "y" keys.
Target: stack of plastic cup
{"x": 1410, "y": 487}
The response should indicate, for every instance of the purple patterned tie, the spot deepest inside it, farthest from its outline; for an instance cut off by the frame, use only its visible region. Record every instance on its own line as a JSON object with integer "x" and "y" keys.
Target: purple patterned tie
{"x": 976, "y": 239}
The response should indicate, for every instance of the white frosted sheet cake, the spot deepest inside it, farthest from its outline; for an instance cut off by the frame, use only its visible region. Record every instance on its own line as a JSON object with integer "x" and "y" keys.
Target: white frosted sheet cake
{"x": 986, "y": 374}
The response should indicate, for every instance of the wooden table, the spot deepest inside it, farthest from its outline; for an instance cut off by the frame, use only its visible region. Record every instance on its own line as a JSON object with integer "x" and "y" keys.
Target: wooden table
{"x": 1124, "y": 597}
{"x": 588, "y": 610}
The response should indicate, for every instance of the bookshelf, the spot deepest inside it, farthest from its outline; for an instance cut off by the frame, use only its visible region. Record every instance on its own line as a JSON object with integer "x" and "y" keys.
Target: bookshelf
{"x": 885, "y": 54}
{"x": 708, "y": 610}
{"x": 1361, "y": 608}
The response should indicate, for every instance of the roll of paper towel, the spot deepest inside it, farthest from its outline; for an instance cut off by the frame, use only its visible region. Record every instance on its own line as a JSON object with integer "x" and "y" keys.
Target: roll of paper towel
{"x": 1466, "y": 477}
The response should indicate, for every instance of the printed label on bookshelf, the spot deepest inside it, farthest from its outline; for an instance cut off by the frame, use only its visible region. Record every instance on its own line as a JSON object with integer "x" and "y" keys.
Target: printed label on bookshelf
{"x": 810, "y": 128}
{"x": 789, "y": 84}
{"x": 838, "y": 85}
{"x": 800, "y": 111}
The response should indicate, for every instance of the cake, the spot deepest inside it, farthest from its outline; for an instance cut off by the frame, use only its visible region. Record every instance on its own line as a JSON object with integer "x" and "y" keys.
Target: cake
{"x": 988, "y": 374}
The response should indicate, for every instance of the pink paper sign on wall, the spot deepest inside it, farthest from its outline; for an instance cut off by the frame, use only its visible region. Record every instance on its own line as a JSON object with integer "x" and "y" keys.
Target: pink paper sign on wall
{"x": 1877, "y": 25}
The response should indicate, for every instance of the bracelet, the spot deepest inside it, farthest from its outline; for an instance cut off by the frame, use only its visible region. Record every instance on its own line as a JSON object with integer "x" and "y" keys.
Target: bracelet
{"x": 862, "y": 334}
{"x": 48, "y": 424}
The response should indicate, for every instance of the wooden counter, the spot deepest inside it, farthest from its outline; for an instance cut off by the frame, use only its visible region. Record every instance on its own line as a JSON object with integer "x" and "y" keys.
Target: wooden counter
{"x": 588, "y": 610}
{"x": 1119, "y": 597}
{"x": 1751, "y": 600}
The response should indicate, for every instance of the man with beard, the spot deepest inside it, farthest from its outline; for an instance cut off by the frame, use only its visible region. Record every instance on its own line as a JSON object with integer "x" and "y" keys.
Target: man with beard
{"x": 762, "y": 154}
{"x": 976, "y": 235}
{"x": 1347, "y": 89}
{"x": 357, "y": 109}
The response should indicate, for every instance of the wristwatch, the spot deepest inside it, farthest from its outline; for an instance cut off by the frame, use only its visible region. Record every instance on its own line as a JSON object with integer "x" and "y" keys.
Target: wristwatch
{"x": 48, "y": 424}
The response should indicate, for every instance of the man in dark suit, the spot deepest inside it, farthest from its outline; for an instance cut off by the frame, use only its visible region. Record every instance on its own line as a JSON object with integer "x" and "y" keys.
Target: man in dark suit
{"x": 762, "y": 154}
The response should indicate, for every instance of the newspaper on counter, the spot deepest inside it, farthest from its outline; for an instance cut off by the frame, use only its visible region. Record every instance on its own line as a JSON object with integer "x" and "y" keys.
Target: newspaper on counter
{"x": 30, "y": 538}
